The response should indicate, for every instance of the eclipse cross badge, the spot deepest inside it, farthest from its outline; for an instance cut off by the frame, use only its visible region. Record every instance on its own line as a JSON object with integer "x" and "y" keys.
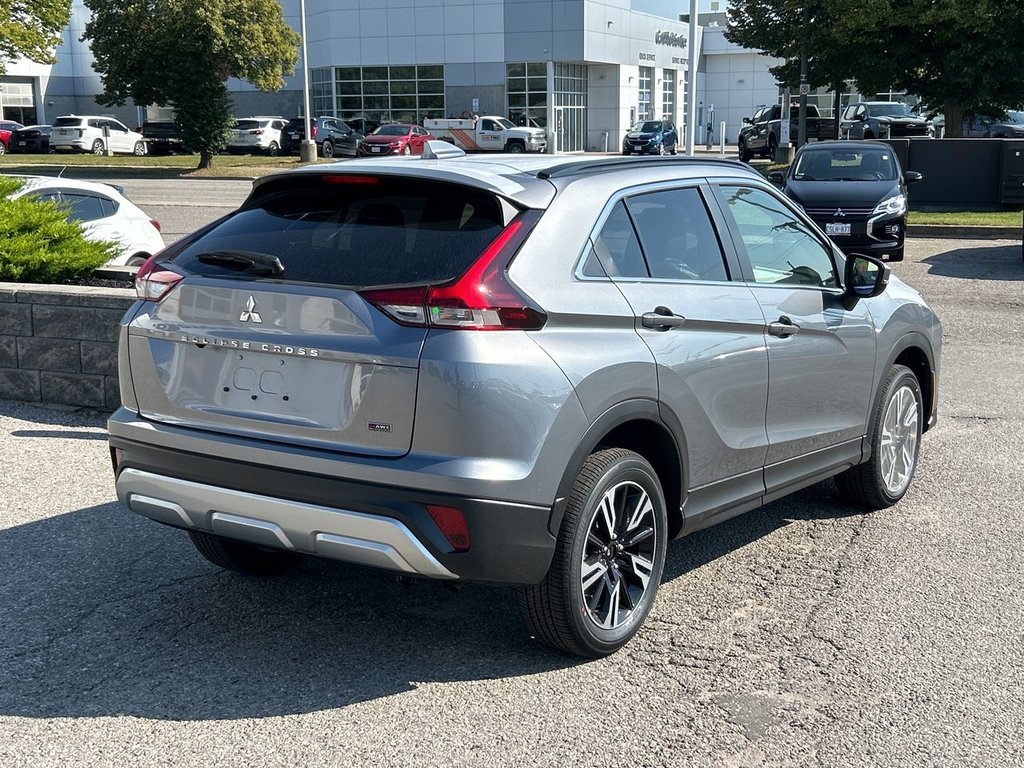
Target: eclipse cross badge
{"x": 839, "y": 214}
{"x": 249, "y": 314}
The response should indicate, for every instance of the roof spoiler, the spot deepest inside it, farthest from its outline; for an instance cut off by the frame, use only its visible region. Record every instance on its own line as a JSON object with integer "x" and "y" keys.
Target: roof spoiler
{"x": 438, "y": 149}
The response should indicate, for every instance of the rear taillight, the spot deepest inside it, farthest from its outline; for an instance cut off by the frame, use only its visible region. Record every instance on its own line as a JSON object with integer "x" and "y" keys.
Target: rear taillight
{"x": 156, "y": 224}
{"x": 482, "y": 299}
{"x": 258, "y": 132}
{"x": 312, "y": 132}
{"x": 152, "y": 282}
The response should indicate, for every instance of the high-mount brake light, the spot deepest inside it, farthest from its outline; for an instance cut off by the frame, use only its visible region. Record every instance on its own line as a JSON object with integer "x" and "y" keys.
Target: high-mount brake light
{"x": 153, "y": 283}
{"x": 351, "y": 179}
{"x": 482, "y": 299}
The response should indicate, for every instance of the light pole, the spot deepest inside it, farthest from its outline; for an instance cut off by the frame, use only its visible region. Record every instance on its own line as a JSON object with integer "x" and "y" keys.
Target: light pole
{"x": 307, "y": 150}
{"x": 691, "y": 75}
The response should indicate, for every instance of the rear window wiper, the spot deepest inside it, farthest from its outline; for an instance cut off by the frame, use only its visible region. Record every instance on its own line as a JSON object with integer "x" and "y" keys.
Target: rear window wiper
{"x": 253, "y": 262}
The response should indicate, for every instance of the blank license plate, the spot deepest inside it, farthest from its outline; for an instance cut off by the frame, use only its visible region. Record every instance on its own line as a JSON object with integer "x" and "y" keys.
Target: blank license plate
{"x": 837, "y": 228}
{"x": 375, "y": 149}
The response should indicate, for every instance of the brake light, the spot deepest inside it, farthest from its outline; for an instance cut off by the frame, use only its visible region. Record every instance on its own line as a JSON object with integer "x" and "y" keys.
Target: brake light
{"x": 351, "y": 179}
{"x": 156, "y": 224}
{"x": 258, "y": 132}
{"x": 312, "y": 131}
{"x": 152, "y": 282}
{"x": 481, "y": 300}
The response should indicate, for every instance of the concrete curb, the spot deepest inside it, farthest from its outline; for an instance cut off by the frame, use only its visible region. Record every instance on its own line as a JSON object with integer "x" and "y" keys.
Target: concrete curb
{"x": 960, "y": 232}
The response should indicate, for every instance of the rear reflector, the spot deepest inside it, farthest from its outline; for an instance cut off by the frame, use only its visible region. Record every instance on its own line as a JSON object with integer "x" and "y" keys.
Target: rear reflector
{"x": 156, "y": 224}
{"x": 452, "y": 524}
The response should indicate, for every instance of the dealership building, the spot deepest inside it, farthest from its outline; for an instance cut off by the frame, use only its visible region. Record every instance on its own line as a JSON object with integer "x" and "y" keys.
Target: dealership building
{"x": 585, "y": 69}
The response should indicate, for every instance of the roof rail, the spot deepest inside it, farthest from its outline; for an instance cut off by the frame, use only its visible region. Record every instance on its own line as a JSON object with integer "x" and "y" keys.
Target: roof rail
{"x": 598, "y": 165}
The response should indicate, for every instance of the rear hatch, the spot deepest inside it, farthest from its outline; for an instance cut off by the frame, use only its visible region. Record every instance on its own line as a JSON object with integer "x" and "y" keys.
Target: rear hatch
{"x": 67, "y": 128}
{"x": 294, "y": 350}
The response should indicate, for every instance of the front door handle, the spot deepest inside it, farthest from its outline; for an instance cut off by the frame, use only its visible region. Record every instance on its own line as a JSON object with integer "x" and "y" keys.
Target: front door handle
{"x": 783, "y": 327}
{"x": 661, "y": 319}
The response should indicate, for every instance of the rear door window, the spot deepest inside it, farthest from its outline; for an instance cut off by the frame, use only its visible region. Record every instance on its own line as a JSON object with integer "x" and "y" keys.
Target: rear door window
{"x": 85, "y": 207}
{"x": 677, "y": 236}
{"x": 373, "y": 231}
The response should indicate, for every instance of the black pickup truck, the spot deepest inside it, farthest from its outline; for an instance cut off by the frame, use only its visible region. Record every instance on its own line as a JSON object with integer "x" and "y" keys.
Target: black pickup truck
{"x": 161, "y": 137}
{"x": 760, "y": 133}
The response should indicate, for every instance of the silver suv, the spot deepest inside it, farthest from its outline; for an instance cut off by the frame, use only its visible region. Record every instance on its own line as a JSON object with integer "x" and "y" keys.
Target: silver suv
{"x": 527, "y": 370}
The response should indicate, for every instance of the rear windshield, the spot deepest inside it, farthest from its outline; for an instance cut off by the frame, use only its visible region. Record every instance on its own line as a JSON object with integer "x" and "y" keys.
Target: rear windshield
{"x": 356, "y": 235}
{"x": 65, "y": 121}
{"x": 246, "y": 125}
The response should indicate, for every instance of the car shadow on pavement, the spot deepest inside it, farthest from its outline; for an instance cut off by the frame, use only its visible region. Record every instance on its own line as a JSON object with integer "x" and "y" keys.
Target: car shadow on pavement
{"x": 993, "y": 262}
{"x": 106, "y": 613}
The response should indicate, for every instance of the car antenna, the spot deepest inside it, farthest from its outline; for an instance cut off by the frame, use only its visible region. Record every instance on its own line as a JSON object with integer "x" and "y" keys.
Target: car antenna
{"x": 60, "y": 173}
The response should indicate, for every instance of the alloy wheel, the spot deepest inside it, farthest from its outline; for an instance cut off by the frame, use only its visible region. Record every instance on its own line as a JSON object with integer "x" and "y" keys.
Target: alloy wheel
{"x": 618, "y": 558}
{"x": 898, "y": 445}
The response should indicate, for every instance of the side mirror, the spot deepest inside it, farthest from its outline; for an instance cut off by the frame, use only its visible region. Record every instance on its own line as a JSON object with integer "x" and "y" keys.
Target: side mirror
{"x": 865, "y": 278}
{"x": 777, "y": 177}
{"x": 747, "y": 121}
{"x": 912, "y": 177}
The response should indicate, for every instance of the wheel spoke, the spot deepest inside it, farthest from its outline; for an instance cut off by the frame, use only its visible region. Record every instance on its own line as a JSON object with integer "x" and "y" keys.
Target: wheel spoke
{"x": 595, "y": 542}
{"x": 639, "y": 536}
{"x": 607, "y": 511}
{"x": 644, "y": 507}
{"x": 592, "y": 572}
{"x": 642, "y": 568}
{"x": 614, "y": 598}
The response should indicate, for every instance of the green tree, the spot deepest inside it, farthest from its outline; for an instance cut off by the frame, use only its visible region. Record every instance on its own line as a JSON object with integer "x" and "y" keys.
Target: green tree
{"x": 180, "y": 52}
{"x": 959, "y": 55}
{"x": 31, "y": 29}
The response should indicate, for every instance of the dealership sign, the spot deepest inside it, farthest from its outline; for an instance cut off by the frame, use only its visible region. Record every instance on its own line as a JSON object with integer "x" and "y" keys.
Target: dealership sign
{"x": 669, "y": 38}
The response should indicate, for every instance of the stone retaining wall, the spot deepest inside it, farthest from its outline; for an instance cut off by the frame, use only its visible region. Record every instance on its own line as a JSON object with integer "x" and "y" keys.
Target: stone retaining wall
{"x": 58, "y": 343}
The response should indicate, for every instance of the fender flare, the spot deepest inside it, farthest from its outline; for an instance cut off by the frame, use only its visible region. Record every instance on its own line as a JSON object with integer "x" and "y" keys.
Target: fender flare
{"x": 638, "y": 409}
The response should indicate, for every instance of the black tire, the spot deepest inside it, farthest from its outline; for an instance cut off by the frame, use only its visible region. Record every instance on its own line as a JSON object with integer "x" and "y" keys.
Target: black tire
{"x": 627, "y": 154}
{"x": 406, "y": 150}
{"x": 137, "y": 260}
{"x": 243, "y": 557}
{"x": 327, "y": 148}
{"x": 661, "y": 149}
{"x": 896, "y": 255}
{"x": 562, "y": 611}
{"x": 745, "y": 154}
{"x": 274, "y": 149}
{"x": 879, "y": 482}
{"x": 139, "y": 150}
{"x": 515, "y": 147}
{"x": 3, "y": 148}
{"x": 97, "y": 147}
{"x": 773, "y": 144}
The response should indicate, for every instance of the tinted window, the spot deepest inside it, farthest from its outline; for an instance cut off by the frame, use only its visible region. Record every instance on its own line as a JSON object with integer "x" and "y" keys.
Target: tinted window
{"x": 116, "y": 126}
{"x": 677, "y": 236}
{"x": 616, "y": 251}
{"x": 780, "y": 247}
{"x": 392, "y": 130}
{"x": 246, "y": 125}
{"x": 357, "y": 235}
{"x": 64, "y": 122}
{"x": 83, "y": 207}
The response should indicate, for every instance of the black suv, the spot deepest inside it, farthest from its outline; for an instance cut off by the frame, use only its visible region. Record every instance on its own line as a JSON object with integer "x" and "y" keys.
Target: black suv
{"x": 332, "y": 137}
{"x": 882, "y": 120}
{"x": 656, "y": 137}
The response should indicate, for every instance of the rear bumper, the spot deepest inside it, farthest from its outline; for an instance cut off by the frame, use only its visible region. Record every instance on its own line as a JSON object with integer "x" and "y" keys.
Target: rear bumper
{"x": 329, "y": 514}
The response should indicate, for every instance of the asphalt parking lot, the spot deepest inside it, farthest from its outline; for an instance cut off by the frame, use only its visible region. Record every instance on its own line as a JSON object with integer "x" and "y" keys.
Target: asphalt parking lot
{"x": 801, "y": 634}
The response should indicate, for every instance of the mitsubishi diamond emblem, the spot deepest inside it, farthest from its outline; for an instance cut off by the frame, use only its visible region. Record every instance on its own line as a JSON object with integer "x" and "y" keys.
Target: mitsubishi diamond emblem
{"x": 249, "y": 314}
{"x": 839, "y": 214}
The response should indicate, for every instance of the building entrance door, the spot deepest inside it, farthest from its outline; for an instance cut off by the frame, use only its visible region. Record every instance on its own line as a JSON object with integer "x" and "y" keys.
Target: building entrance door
{"x": 571, "y": 128}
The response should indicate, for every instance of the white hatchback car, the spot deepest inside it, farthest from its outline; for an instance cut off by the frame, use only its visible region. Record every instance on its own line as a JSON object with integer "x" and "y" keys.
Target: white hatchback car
{"x": 257, "y": 134}
{"x": 105, "y": 214}
{"x": 76, "y": 133}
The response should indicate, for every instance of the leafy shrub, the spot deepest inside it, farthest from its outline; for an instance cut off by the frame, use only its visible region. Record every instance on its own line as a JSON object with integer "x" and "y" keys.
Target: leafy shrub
{"x": 39, "y": 245}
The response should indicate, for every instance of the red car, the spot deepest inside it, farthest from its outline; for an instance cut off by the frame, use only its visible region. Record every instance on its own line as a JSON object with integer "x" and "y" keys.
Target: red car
{"x": 394, "y": 139}
{"x": 6, "y": 127}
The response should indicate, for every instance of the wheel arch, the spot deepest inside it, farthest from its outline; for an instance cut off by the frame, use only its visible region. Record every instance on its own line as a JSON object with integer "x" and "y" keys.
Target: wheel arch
{"x": 636, "y": 425}
{"x": 913, "y": 351}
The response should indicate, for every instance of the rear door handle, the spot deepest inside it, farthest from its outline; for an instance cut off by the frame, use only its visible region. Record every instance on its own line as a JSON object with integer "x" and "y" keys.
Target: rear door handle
{"x": 783, "y": 327}
{"x": 661, "y": 319}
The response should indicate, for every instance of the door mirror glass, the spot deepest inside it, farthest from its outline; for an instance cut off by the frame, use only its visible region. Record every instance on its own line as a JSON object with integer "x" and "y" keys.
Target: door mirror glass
{"x": 912, "y": 177}
{"x": 866, "y": 277}
{"x": 777, "y": 177}
{"x": 747, "y": 121}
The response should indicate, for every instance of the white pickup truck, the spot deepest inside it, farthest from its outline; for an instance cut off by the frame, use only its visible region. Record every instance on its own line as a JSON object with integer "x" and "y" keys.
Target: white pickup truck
{"x": 487, "y": 134}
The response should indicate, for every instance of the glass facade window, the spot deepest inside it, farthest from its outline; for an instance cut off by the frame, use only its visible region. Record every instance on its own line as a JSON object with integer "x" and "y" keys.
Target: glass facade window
{"x": 406, "y": 94}
{"x": 645, "y": 109}
{"x": 526, "y": 86}
{"x": 668, "y": 94}
{"x": 570, "y": 102}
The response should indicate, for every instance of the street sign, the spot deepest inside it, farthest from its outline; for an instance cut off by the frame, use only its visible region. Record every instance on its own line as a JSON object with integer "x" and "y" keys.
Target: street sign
{"x": 805, "y": 88}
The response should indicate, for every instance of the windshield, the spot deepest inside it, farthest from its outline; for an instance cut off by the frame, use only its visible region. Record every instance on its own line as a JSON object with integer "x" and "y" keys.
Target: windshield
{"x": 646, "y": 126}
{"x": 837, "y": 165}
{"x": 506, "y": 124}
{"x": 1017, "y": 118}
{"x": 392, "y": 130}
{"x": 891, "y": 110}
